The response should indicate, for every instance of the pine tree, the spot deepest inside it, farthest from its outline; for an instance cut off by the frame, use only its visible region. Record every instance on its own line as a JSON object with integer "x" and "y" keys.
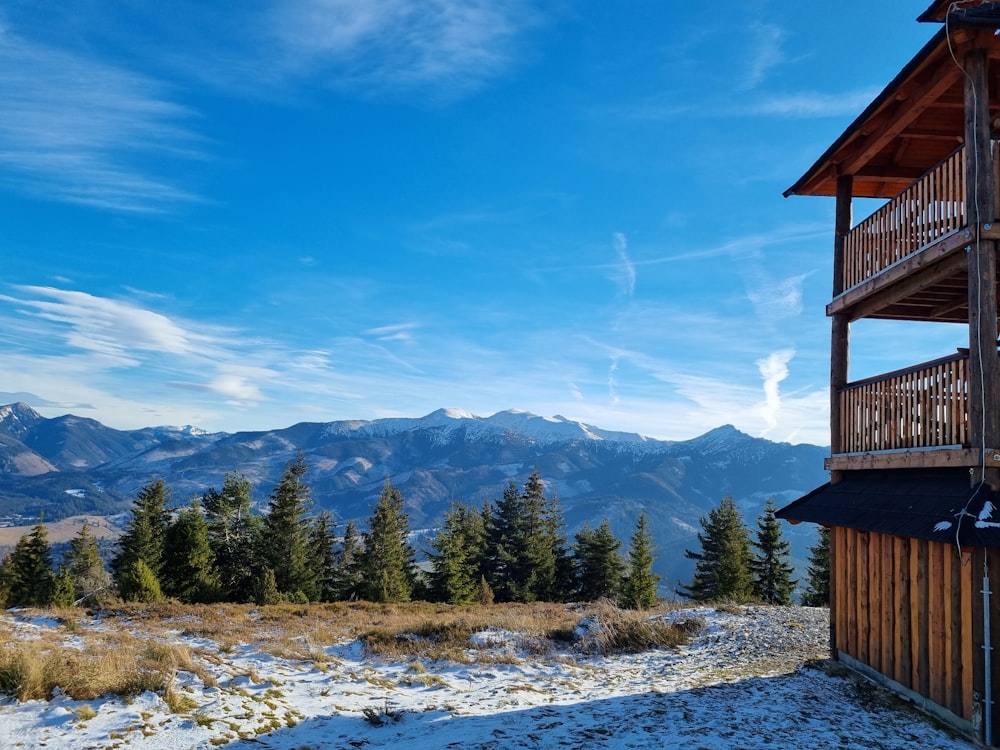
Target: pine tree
{"x": 323, "y": 558}
{"x": 639, "y": 589}
{"x": 4, "y": 581}
{"x": 818, "y": 588}
{"x": 527, "y": 556}
{"x": 505, "y": 533}
{"x": 773, "y": 582}
{"x": 62, "y": 589}
{"x": 28, "y": 570}
{"x": 138, "y": 583}
{"x": 456, "y": 567}
{"x": 601, "y": 570}
{"x": 234, "y": 535}
{"x": 348, "y": 572}
{"x": 286, "y": 539}
{"x": 187, "y": 570}
{"x": 265, "y": 588}
{"x": 722, "y": 567}
{"x": 91, "y": 581}
{"x": 144, "y": 534}
{"x": 387, "y": 560}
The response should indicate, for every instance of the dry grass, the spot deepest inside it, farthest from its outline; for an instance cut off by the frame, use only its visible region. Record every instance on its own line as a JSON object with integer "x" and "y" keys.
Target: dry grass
{"x": 611, "y": 630}
{"x": 136, "y": 648}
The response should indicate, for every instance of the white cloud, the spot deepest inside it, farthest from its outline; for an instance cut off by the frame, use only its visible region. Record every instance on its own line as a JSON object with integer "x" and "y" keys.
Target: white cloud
{"x": 110, "y": 327}
{"x": 78, "y": 130}
{"x": 236, "y": 388}
{"x": 773, "y": 369}
{"x": 450, "y": 46}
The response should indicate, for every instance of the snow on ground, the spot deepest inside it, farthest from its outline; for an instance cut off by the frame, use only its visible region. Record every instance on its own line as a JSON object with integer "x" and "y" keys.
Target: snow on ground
{"x": 741, "y": 683}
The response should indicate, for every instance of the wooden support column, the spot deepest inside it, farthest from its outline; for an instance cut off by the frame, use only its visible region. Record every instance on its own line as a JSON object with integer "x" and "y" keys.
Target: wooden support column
{"x": 984, "y": 383}
{"x": 840, "y": 324}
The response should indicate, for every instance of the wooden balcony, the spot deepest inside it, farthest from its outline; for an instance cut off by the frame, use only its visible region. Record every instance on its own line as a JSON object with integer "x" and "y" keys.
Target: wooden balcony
{"x": 930, "y": 208}
{"x": 917, "y": 417}
{"x": 907, "y": 261}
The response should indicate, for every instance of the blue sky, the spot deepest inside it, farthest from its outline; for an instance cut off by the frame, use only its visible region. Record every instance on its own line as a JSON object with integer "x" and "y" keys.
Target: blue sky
{"x": 246, "y": 215}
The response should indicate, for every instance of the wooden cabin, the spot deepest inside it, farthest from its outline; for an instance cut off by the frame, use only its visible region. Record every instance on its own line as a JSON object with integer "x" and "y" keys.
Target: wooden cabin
{"x": 913, "y": 502}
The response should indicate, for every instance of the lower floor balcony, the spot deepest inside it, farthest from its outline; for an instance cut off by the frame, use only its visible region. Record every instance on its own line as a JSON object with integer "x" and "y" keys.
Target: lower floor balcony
{"x": 917, "y": 417}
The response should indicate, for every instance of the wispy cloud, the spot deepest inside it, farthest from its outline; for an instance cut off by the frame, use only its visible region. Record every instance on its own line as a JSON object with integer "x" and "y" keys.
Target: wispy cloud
{"x": 78, "y": 130}
{"x": 449, "y": 47}
{"x": 394, "y": 332}
{"x": 626, "y": 270}
{"x": 115, "y": 329}
{"x": 754, "y": 103}
{"x": 811, "y": 104}
{"x": 765, "y": 53}
{"x": 776, "y": 299}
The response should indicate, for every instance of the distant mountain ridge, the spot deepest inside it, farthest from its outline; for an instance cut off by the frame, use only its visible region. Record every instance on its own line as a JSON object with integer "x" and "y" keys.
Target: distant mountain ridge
{"x": 71, "y": 465}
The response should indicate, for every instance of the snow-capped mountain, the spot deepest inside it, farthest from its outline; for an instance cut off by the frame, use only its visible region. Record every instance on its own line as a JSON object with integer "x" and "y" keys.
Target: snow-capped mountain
{"x": 71, "y": 465}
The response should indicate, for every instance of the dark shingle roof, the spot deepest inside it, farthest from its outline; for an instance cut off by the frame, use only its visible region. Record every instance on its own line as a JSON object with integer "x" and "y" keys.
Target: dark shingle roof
{"x": 935, "y": 504}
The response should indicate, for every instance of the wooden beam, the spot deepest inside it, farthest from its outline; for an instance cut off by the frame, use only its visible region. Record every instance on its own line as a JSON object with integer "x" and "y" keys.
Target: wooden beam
{"x": 984, "y": 381}
{"x": 907, "y": 459}
{"x": 912, "y": 274}
{"x": 840, "y": 329}
{"x": 918, "y": 93}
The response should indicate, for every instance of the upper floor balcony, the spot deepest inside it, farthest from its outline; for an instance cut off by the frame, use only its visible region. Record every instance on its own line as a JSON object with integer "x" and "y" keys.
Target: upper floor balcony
{"x": 908, "y": 260}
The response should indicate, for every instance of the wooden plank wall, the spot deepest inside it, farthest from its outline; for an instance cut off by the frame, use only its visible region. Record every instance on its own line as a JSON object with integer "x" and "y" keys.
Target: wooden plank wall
{"x": 908, "y": 608}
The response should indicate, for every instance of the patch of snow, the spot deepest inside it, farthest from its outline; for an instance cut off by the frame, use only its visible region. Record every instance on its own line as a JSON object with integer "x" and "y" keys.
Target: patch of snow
{"x": 740, "y": 683}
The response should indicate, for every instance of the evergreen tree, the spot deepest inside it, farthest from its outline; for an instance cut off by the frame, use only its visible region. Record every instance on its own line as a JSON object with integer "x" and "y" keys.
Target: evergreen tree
{"x": 527, "y": 555}
{"x": 137, "y": 583}
{"x": 505, "y": 532}
{"x": 639, "y": 589}
{"x": 83, "y": 562}
{"x": 601, "y": 569}
{"x": 144, "y": 533}
{"x": 456, "y": 567}
{"x": 4, "y": 581}
{"x": 28, "y": 570}
{"x": 773, "y": 582}
{"x": 818, "y": 587}
{"x": 387, "y": 560}
{"x": 62, "y": 589}
{"x": 348, "y": 572}
{"x": 323, "y": 558}
{"x": 722, "y": 567}
{"x": 187, "y": 570}
{"x": 286, "y": 538}
{"x": 234, "y": 536}
{"x": 265, "y": 588}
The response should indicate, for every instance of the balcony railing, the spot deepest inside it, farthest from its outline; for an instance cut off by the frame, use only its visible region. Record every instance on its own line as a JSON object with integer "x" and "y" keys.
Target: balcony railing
{"x": 930, "y": 208}
{"x": 923, "y": 407}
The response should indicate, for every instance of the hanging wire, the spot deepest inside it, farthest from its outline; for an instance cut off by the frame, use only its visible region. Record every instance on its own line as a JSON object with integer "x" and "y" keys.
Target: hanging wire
{"x": 975, "y": 219}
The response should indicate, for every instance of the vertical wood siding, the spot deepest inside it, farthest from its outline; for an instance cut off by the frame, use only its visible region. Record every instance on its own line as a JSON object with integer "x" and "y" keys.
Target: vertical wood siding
{"x": 908, "y": 608}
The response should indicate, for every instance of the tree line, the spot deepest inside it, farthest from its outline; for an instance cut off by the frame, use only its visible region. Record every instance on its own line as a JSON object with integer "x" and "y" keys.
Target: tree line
{"x": 732, "y": 566}
{"x": 218, "y": 549}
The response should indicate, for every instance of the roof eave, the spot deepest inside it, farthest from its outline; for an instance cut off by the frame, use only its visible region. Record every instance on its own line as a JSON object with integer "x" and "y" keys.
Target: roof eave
{"x": 826, "y": 162}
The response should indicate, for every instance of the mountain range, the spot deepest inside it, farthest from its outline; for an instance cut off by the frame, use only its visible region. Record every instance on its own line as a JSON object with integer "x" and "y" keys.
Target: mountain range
{"x": 72, "y": 465}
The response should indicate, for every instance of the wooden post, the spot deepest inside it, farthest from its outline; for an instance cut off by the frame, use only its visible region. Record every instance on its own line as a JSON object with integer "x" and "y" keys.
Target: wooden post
{"x": 840, "y": 329}
{"x": 984, "y": 401}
